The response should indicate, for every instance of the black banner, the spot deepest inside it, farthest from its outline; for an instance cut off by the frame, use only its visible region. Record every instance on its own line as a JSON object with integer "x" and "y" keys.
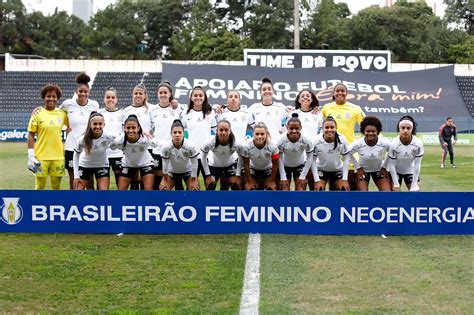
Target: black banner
{"x": 428, "y": 95}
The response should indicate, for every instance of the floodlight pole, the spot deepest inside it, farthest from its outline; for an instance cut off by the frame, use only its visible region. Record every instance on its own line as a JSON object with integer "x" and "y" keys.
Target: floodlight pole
{"x": 296, "y": 17}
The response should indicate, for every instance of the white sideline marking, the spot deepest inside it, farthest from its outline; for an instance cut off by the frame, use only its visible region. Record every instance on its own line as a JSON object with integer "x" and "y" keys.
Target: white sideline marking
{"x": 251, "y": 289}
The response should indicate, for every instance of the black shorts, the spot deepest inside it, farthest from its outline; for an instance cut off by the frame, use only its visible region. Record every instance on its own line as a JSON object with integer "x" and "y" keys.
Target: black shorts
{"x": 86, "y": 173}
{"x": 294, "y": 172}
{"x": 225, "y": 172}
{"x": 115, "y": 163}
{"x": 68, "y": 157}
{"x": 330, "y": 176}
{"x": 178, "y": 179}
{"x": 408, "y": 178}
{"x": 260, "y": 174}
{"x": 157, "y": 162}
{"x": 130, "y": 172}
{"x": 376, "y": 176}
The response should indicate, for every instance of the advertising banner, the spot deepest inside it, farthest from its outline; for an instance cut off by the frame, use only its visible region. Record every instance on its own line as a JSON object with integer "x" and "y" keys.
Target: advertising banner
{"x": 205, "y": 212}
{"x": 347, "y": 60}
{"x": 428, "y": 95}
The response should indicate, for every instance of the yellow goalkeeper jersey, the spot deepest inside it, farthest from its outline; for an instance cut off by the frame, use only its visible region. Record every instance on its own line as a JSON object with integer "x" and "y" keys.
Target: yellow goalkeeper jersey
{"x": 48, "y": 125}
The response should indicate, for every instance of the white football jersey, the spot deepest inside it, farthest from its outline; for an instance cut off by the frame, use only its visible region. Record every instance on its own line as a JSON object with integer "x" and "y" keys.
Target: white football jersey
{"x": 179, "y": 158}
{"x": 311, "y": 123}
{"x": 260, "y": 159}
{"x": 328, "y": 158}
{"x": 223, "y": 155}
{"x": 198, "y": 127}
{"x": 294, "y": 153}
{"x": 113, "y": 125}
{"x": 78, "y": 116}
{"x": 134, "y": 154}
{"x": 404, "y": 155}
{"x": 143, "y": 114}
{"x": 239, "y": 120}
{"x": 371, "y": 158}
{"x": 274, "y": 116}
{"x": 97, "y": 157}
{"x": 162, "y": 119}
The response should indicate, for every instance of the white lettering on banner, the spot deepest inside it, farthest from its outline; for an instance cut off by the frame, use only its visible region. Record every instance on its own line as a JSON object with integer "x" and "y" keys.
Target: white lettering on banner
{"x": 267, "y": 214}
{"x": 237, "y": 214}
{"x": 129, "y": 213}
{"x": 401, "y": 215}
{"x": 395, "y": 110}
{"x": 351, "y": 63}
{"x": 13, "y": 135}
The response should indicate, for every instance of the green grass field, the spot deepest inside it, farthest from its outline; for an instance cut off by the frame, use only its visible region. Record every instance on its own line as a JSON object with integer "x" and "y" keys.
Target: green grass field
{"x": 196, "y": 274}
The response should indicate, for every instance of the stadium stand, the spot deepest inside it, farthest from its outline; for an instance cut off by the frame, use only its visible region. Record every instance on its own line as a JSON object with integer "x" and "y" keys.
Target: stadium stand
{"x": 124, "y": 82}
{"x": 20, "y": 94}
{"x": 466, "y": 87}
{"x": 19, "y": 91}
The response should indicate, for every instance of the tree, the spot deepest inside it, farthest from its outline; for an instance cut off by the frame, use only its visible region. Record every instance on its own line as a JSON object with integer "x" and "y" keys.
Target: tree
{"x": 328, "y": 25}
{"x": 199, "y": 31}
{"x": 461, "y": 11}
{"x": 161, "y": 20}
{"x": 462, "y": 53}
{"x": 269, "y": 24}
{"x": 13, "y": 26}
{"x": 234, "y": 12}
{"x": 56, "y": 36}
{"x": 410, "y": 30}
{"x": 117, "y": 32}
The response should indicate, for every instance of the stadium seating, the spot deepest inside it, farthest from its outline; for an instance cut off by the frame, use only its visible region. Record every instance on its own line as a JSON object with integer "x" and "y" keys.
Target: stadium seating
{"x": 20, "y": 94}
{"x": 20, "y": 91}
{"x": 466, "y": 87}
{"x": 124, "y": 82}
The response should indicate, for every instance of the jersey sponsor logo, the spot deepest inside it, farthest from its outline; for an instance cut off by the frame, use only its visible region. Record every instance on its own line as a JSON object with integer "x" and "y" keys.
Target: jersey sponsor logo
{"x": 11, "y": 211}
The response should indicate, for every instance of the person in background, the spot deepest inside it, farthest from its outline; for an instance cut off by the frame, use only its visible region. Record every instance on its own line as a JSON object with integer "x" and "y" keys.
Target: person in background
{"x": 307, "y": 108}
{"x": 199, "y": 120}
{"x": 271, "y": 113}
{"x": 447, "y": 138}
{"x": 405, "y": 154}
{"x": 78, "y": 111}
{"x": 238, "y": 116}
{"x": 90, "y": 155}
{"x": 113, "y": 125}
{"x": 162, "y": 117}
{"x": 346, "y": 115}
{"x": 46, "y": 155}
{"x": 372, "y": 153}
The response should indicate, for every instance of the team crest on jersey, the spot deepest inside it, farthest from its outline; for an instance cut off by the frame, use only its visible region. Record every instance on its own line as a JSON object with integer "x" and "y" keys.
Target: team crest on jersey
{"x": 142, "y": 149}
{"x": 11, "y": 211}
{"x": 59, "y": 120}
{"x": 348, "y": 115}
{"x": 104, "y": 143}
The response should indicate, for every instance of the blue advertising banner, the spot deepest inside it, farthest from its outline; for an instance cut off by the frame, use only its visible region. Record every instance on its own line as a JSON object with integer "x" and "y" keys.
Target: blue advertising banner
{"x": 204, "y": 212}
{"x": 428, "y": 95}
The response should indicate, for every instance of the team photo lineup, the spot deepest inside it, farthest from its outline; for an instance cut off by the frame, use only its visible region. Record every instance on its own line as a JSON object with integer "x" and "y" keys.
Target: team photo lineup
{"x": 300, "y": 146}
